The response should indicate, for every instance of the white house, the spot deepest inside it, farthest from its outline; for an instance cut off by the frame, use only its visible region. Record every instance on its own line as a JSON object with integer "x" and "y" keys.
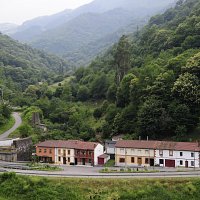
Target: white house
{"x": 177, "y": 154}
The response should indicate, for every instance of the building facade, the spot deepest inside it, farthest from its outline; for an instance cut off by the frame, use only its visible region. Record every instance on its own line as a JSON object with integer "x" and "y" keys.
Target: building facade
{"x": 157, "y": 153}
{"x": 110, "y": 148}
{"x": 177, "y": 154}
{"x": 69, "y": 152}
{"x": 19, "y": 149}
{"x": 132, "y": 153}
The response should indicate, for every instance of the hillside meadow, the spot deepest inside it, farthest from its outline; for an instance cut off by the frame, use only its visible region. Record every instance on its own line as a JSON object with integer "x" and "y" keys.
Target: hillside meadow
{"x": 14, "y": 187}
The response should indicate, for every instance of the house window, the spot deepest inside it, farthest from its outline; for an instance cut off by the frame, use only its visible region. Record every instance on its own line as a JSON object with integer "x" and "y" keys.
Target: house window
{"x": 59, "y": 152}
{"x": 45, "y": 150}
{"x": 83, "y": 152}
{"x": 90, "y": 161}
{"x": 77, "y": 152}
{"x": 64, "y": 152}
{"x": 192, "y": 163}
{"x": 122, "y": 160}
{"x": 146, "y": 161}
{"x": 40, "y": 150}
{"x": 132, "y": 159}
{"x": 50, "y": 151}
{"x": 90, "y": 153}
{"x": 181, "y": 153}
{"x": 192, "y": 154}
{"x": 121, "y": 150}
{"x": 146, "y": 151}
{"x": 161, "y": 161}
{"x": 68, "y": 152}
{"x": 181, "y": 162}
{"x": 68, "y": 160}
{"x": 59, "y": 159}
{"x": 160, "y": 152}
{"x": 171, "y": 152}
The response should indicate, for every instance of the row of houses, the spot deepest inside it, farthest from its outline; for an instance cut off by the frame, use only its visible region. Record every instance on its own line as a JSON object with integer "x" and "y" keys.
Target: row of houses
{"x": 157, "y": 153}
{"x": 127, "y": 153}
{"x": 69, "y": 152}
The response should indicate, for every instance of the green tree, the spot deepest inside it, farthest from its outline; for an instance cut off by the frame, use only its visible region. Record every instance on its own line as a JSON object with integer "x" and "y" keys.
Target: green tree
{"x": 122, "y": 58}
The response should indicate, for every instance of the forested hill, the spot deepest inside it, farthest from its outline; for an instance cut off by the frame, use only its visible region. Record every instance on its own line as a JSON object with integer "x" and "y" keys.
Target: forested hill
{"x": 21, "y": 65}
{"x": 81, "y": 34}
{"x": 150, "y": 82}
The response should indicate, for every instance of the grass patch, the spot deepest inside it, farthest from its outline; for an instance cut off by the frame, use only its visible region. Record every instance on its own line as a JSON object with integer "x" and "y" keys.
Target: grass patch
{"x": 25, "y": 187}
{"x": 127, "y": 170}
{"x": 8, "y": 125}
{"x": 43, "y": 167}
{"x": 110, "y": 163}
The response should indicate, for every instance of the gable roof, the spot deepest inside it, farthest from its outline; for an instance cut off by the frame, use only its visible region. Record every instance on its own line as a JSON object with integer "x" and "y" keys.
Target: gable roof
{"x": 71, "y": 144}
{"x": 162, "y": 145}
{"x": 142, "y": 144}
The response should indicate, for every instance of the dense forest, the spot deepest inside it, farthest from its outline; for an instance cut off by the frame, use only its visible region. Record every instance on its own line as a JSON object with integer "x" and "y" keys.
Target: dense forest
{"x": 145, "y": 85}
{"x": 79, "y": 35}
{"x": 21, "y": 66}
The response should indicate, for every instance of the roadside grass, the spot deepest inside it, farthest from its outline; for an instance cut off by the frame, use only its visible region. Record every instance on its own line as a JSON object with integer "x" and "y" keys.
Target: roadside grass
{"x": 8, "y": 125}
{"x": 43, "y": 167}
{"x": 26, "y": 187}
{"x": 110, "y": 163}
{"x": 127, "y": 170}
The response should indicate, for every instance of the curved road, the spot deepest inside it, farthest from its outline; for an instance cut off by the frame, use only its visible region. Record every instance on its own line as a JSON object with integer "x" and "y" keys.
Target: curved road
{"x": 18, "y": 122}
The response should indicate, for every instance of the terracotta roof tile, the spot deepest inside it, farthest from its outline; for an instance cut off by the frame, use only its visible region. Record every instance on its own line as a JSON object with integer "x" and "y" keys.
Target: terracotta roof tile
{"x": 142, "y": 144}
{"x": 164, "y": 145}
{"x": 103, "y": 156}
{"x": 71, "y": 144}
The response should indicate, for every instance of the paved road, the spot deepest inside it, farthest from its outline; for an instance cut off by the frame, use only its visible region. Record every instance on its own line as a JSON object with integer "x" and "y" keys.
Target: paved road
{"x": 18, "y": 122}
{"x": 93, "y": 172}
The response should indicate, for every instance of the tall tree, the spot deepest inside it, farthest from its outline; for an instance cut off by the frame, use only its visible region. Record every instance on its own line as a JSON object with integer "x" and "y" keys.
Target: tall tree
{"x": 122, "y": 58}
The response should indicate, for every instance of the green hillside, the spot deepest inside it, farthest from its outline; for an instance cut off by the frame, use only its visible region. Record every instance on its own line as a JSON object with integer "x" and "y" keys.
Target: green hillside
{"x": 21, "y": 66}
{"x": 80, "y": 35}
{"x": 145, "y": 85}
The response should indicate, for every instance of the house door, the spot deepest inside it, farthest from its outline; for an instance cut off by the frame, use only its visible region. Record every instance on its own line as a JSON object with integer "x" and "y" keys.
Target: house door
{"x": 76, "y": 162}
{"x": 186, "y": 164}
{"x": 64, "y": 160}
{"x": 169, "y": 163}
{"x": 139, "y": 161}
{"x": 151, "y": 162}
{"x": 83, "y": 161}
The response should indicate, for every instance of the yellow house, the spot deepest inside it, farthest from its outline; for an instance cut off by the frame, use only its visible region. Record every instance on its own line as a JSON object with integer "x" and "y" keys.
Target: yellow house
{"x": 130, "y": 153}
{"x": 64, "y": 156}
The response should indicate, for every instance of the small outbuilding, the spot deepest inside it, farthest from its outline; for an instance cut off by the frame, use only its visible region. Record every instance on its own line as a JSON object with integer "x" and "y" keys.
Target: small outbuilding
{"x": 103, "y": 159}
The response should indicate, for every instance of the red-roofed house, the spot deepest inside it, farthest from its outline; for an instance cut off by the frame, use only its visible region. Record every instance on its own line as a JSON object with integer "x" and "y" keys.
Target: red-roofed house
{"x": 177, "y": 154}
{"x": 159, "y": 153}
{"x": 69, "y": 152}
{"x": 135, "y": 153}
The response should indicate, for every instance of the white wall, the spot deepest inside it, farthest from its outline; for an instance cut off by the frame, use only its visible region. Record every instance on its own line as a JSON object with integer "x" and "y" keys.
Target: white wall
{"x": 110, "y": 150}
{"x": 99, "y": 150}
{"x": 4, "y": 143}
{"x": 176, "y": 156}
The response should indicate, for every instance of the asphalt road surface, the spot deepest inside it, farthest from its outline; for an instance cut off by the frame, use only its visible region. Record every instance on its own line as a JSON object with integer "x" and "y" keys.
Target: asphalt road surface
{"x": 93, "y": 172}
{"x": 18, "y": 122}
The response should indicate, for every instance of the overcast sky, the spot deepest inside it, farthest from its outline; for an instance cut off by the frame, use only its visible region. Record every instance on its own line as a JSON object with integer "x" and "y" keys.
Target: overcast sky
{"x": 18, "y": 11}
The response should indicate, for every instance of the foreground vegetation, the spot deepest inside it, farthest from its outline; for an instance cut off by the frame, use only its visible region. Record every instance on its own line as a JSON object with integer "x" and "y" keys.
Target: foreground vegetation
{"x": 24, "y": 187}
